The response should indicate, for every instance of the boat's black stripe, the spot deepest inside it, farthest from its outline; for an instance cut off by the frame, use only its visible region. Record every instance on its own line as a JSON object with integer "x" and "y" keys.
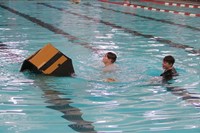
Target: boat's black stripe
{"x": 145, "y": 17}
{"x": 51, "y": 61}
{"x": 133, "y": 32}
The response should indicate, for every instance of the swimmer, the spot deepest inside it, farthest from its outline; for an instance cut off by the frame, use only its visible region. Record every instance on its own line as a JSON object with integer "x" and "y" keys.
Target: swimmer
{"x": 169, "y": 70}
{"x": 126, "y": 2}
{"x": 75, "y": 1}
{"x": 110, "y": 80}
{"x": 109, "y": 60}
{"x": 109, "y": 64}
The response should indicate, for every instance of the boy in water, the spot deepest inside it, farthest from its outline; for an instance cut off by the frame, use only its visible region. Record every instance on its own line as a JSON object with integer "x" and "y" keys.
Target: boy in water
{"x": 168, "y": 74}
{"x": 169, "y": 70}
{"x": 75, "y": 1}
{"x": 127, "y": 2}
{"x": 109, "y": 66}
{"x": 109, "y": 60}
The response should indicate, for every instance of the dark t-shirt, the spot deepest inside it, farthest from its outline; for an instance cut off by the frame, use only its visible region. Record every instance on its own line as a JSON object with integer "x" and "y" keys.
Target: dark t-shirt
{"x": 168, "y": 74}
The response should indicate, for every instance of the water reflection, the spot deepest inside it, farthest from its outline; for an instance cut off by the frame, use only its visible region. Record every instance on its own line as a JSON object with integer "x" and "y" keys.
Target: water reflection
{"x": 2, "y": 46}
{"x": 8, "y": 54}
{"x": 184, "y": 94}
{"x": 192, "y": 98}
{"x": 60, "y": 104}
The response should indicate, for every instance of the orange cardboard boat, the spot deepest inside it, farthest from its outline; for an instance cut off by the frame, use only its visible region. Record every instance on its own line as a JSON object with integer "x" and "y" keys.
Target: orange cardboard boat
{"x": 49, "y": 61}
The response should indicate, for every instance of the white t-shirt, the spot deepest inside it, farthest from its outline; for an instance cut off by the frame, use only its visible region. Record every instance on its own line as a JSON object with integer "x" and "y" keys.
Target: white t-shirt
{"x": 110, "y": 68}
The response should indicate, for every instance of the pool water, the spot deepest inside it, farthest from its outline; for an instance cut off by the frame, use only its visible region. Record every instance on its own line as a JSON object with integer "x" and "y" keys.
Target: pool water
{"x": 136, "y": 102}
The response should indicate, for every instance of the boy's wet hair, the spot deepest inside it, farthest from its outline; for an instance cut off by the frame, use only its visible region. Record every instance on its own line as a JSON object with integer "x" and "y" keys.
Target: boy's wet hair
{"x": 169, "y": 59}
{"x": 112, "y": 56}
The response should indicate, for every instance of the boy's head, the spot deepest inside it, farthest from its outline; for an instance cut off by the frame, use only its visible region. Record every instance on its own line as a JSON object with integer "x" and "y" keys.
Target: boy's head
{"x": 168, "y": 62}
{"x": 76, "y": 1}
{"x": 109, "y": 58}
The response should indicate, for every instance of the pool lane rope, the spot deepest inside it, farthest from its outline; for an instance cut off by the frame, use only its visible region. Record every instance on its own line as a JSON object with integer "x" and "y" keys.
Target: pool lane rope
{"x": 153, "y": 9}
{"x": 186, "y": 5}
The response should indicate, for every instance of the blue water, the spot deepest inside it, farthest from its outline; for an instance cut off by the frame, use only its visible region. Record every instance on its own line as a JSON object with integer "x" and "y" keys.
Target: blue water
{"x": 137, "y": 102}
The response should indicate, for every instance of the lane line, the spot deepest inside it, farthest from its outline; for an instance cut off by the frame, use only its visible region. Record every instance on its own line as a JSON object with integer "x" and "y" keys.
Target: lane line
{"x": 177, "y": 4}
{"x": 132, "y": 32}
{"x": 52, "y": 28}
{"x": 145, "y": 17}
{"x": 85, "y": 44}
{"x": 154, "y": 9}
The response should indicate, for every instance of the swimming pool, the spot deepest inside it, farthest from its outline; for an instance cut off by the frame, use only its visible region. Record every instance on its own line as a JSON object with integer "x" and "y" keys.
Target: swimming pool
{"x": 33, "y": 103}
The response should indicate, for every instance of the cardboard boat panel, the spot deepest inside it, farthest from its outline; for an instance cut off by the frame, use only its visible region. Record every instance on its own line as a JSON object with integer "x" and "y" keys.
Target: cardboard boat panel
{"x": 49, "y": 61}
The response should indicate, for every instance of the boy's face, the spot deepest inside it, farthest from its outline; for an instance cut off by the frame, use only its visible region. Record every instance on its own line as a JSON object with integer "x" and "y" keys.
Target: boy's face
{"x": 166, "y": 65}
{"x": 105, "y": 59}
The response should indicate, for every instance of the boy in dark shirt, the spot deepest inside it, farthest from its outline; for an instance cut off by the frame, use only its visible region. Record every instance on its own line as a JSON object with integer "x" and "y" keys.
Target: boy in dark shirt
{"x": 169, "y": 70}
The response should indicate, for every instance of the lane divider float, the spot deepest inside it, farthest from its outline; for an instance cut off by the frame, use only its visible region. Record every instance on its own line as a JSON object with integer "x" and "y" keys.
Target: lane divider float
{"x": 186, "y": 5}
{"x": 153, "y": 9}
